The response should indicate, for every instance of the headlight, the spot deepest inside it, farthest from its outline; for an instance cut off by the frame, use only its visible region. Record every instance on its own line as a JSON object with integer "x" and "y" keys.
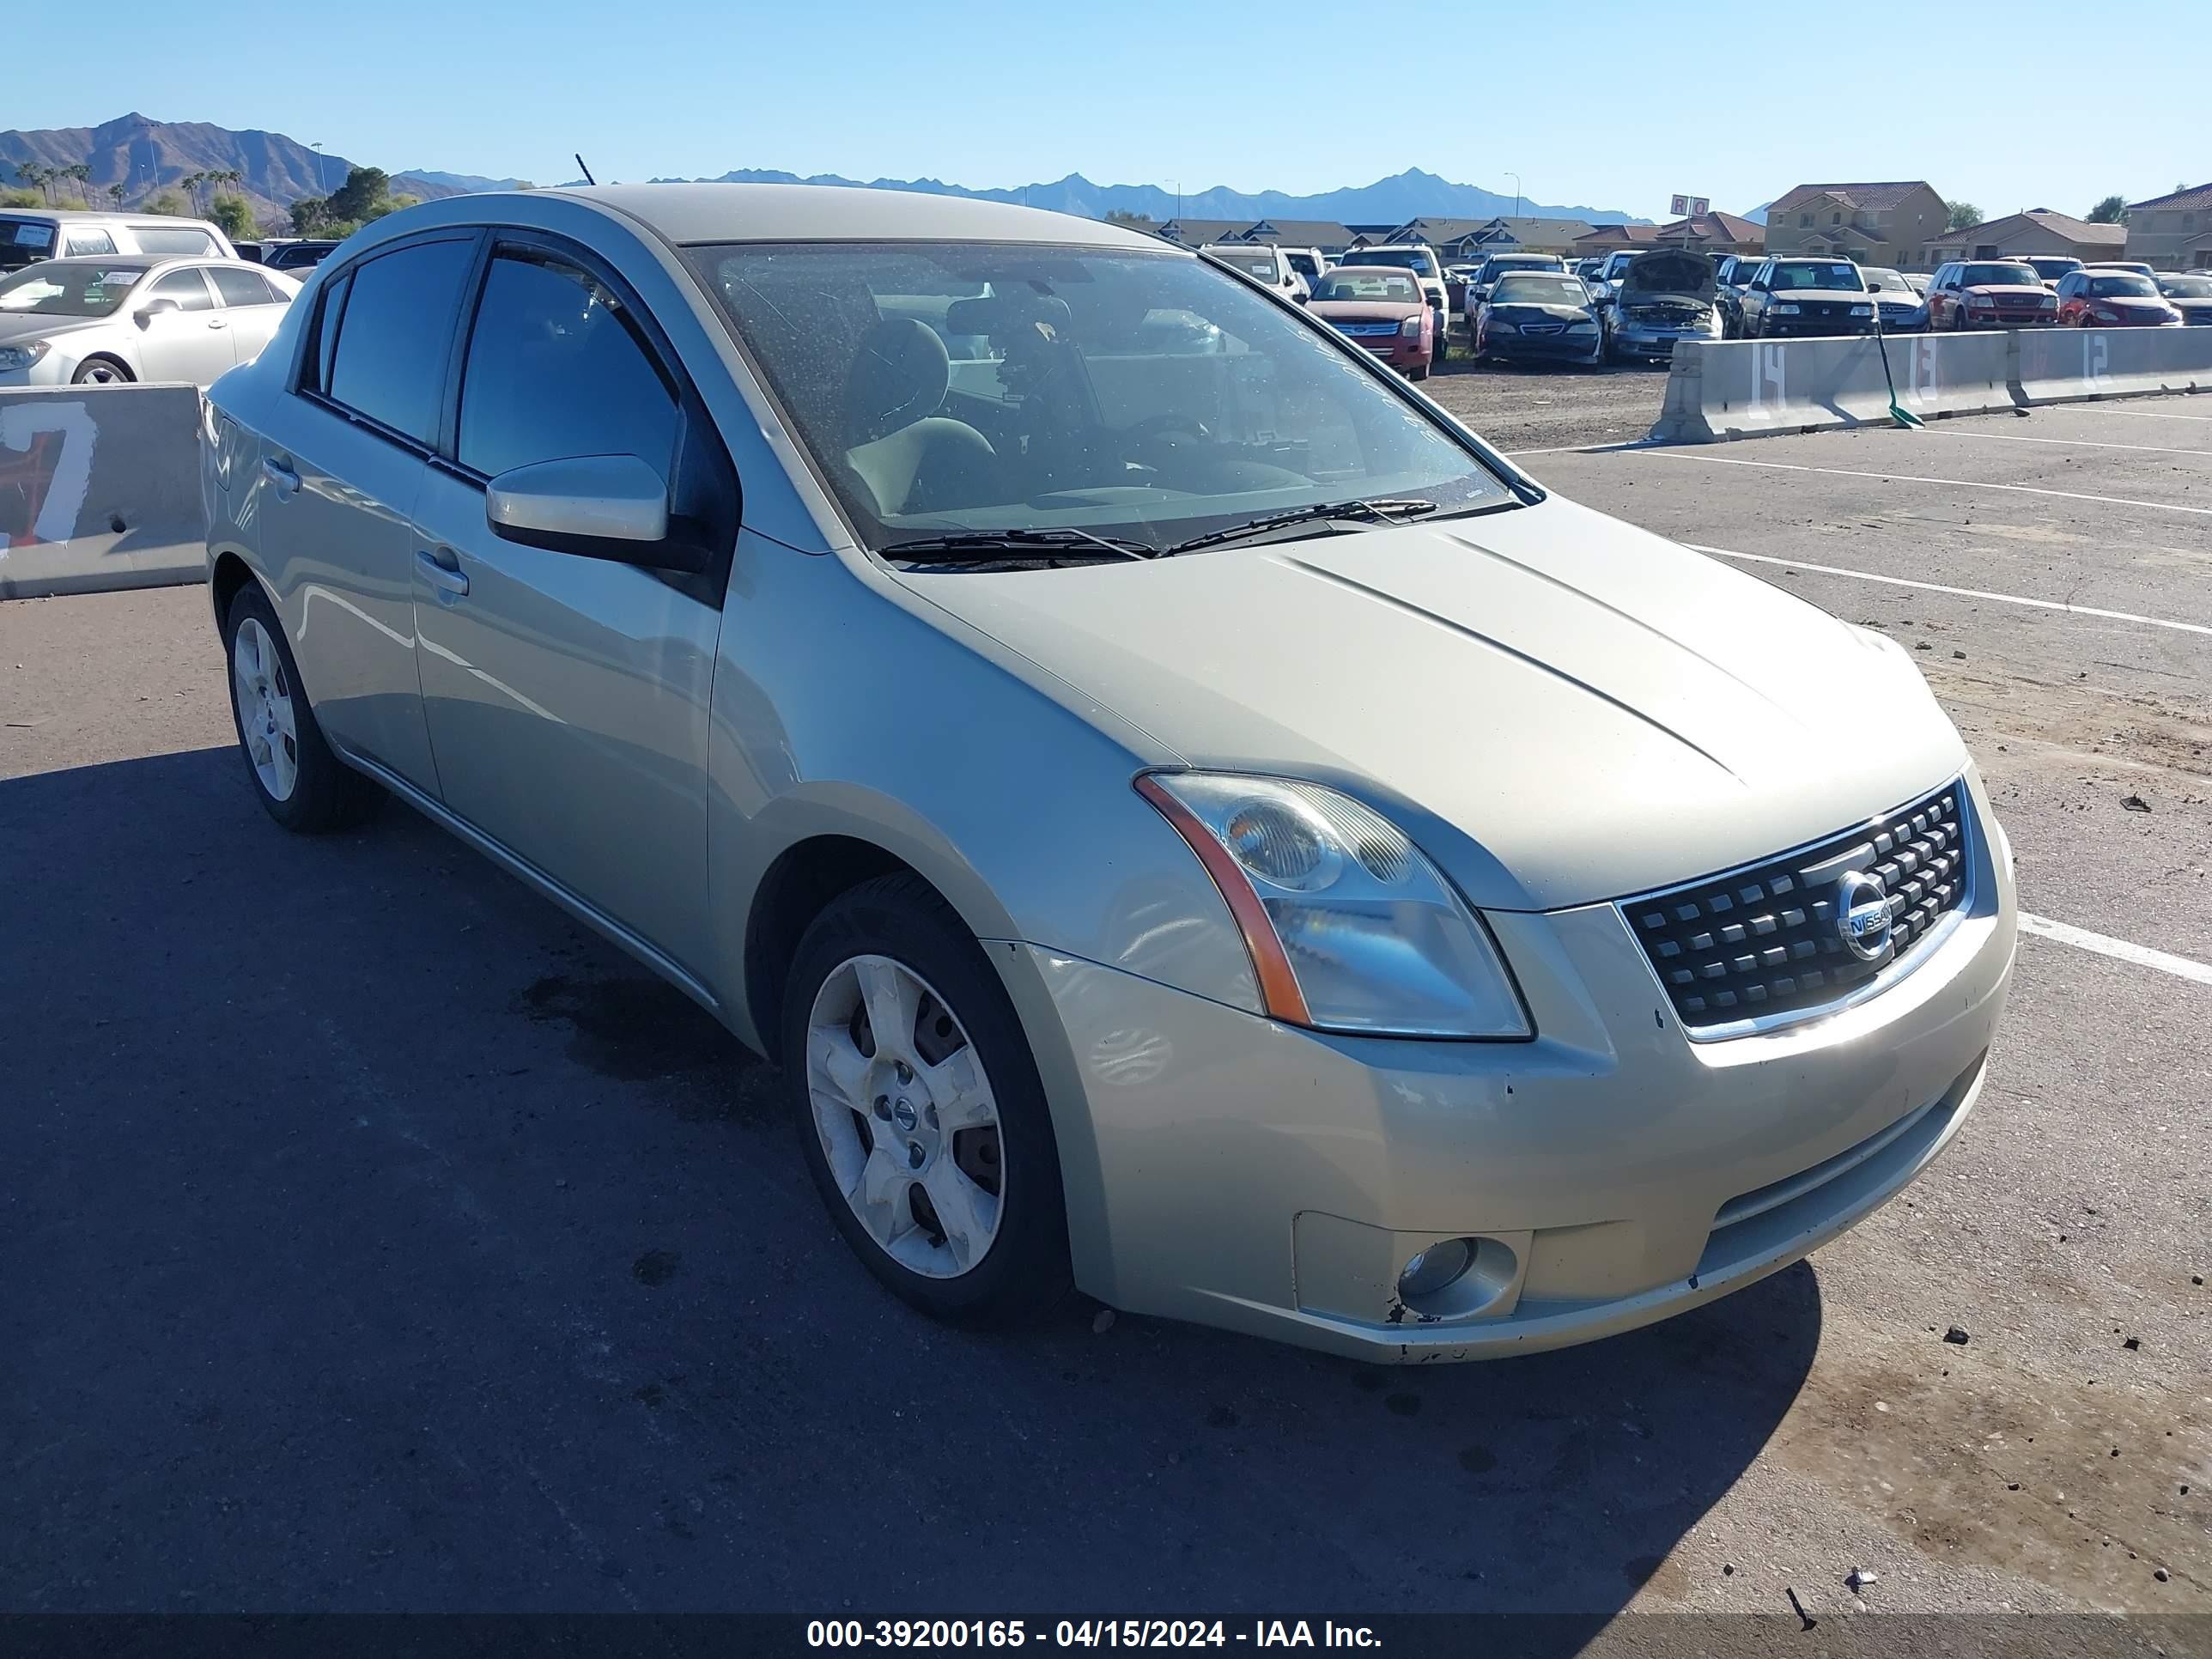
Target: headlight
{"x": 2044, "y": 300}
{"x": 22, "y": 356}
{"x": 1503, "y": 325}
{"x": 1410, "y": 328}
{"x": 1861, "y": 311}
{"x": 1787, "y": 308}
{"x": 1351, "y": 929}
{"x": 1582, "y": 326}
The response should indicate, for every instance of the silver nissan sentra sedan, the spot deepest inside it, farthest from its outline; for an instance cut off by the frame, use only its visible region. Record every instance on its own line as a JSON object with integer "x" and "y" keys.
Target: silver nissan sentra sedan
{"x": 1193, "y": 823}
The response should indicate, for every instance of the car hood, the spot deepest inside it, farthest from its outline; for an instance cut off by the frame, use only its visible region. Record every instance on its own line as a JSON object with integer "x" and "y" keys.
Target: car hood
{"x": 1345, "y": 310}
{"x": 1859, "y": 296}
{"x": 1518, "y": 308}
{"x": 15, "y": 329}
{"x": 2007, "y": 290}
{"x": 1674, "y": 272}
{"x": 2129, "y": 301}
{"x": 1558, "y": 707}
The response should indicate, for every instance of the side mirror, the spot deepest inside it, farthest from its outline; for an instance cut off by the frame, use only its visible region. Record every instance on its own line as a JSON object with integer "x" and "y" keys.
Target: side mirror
{"x": 154, "y": 308}
{"x": 596, "y": 506}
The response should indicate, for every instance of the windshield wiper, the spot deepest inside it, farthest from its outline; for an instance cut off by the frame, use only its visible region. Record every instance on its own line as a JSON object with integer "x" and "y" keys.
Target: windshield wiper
{"x": 1381, "y": 512}
{"x": 987, "y": 546}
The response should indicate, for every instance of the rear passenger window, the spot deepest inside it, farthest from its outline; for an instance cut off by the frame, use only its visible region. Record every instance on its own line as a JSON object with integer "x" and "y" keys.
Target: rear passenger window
{"x": 172, "y": 241}
{"x": 241, "y": 288}
{"x": 556, "y": 367}
{"x": 390, "y": 360}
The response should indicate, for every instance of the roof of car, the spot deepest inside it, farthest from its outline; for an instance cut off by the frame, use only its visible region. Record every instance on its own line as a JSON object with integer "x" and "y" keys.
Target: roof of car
{"x": 685, "y": 214}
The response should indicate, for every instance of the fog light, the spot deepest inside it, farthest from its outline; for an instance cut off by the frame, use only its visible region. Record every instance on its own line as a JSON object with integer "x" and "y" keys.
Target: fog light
{"x": 1434, "y": 1268}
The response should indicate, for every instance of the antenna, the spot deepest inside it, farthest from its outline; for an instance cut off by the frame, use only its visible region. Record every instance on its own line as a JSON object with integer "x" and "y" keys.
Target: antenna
{"x": 581, "y": 168}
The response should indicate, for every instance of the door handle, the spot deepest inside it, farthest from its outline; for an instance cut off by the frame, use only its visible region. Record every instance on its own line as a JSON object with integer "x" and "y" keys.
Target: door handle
{"x": 446, "y": 578}
{"x": 218, "y": 322}
{"x": 281, "y": 475}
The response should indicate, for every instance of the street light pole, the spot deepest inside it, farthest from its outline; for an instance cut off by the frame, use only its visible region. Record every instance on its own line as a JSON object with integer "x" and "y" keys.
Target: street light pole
{"x": 1516, "y": 178}
{"x": 322, "y": 178}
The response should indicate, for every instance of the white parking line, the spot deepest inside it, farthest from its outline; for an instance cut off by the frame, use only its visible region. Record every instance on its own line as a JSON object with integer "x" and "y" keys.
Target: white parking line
{"x": 2142, "y": 955}
{"x": 1911, "y": 477}
{"x": 1948, "y": 431}
{"x": 1962, "y": 592}
{"x": 2138, "y": 414}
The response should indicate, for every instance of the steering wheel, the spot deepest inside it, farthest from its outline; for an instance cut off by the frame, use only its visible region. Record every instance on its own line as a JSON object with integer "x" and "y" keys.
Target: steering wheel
{"x": 1167, "y": 424}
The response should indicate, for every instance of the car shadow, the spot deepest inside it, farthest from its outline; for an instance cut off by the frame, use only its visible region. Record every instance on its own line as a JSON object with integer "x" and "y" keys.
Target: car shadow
{"x": 390, "y": 1242}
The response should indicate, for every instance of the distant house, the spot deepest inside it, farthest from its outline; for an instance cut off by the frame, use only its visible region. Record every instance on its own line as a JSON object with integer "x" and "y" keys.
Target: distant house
{"x": 1197, "y": 232}
{"x": 1326, "y": 234}
{"x": 2173, "y": 232}
{"x": 1897, "y": 223}
{"x": 1614, "y": 238}
{"x": 2039, "y": 230}
{"x": 1718, "y": 234}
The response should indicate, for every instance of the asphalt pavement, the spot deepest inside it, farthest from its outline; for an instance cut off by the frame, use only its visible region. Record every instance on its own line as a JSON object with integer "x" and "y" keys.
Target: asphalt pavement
{"x": 375, "y": 1238}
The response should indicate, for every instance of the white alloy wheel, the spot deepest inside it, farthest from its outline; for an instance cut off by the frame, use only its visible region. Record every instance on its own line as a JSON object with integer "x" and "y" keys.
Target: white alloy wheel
{"x": 906, "y": 1116}
{"x": 266, "y": 722}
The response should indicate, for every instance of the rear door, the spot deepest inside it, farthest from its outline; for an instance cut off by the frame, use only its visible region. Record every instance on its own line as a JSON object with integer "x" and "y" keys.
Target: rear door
{"x": 568, "y": 696}
{"x": 340, "y": 478}
{"x": 253, "y": 305}
{"x": 190, "y": 343}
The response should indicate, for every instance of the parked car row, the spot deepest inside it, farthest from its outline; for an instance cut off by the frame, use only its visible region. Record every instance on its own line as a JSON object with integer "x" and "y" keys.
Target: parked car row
{"x": 108, "y": 319}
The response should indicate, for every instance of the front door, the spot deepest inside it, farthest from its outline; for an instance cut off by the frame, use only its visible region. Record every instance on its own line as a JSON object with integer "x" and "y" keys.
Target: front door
{"x": 568, "y": 696}
{"x": 190, "y": 342}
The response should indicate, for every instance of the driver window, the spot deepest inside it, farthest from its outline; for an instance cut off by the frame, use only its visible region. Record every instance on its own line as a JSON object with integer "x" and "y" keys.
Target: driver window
{"x": 186, "y": 288}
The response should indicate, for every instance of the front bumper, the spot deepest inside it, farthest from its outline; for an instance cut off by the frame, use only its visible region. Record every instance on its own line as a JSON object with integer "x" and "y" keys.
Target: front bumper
{"x": 1654, "y": 339}
{"x": 1228, "y": 1170}
{"x": 1819, "y": 328}
{"x": 1544, "y": 348}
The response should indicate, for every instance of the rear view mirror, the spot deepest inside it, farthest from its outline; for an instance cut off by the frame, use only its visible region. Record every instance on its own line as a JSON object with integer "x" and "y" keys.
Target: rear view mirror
{"x": 597, "y": 507}
{"x": 155, "y": 309}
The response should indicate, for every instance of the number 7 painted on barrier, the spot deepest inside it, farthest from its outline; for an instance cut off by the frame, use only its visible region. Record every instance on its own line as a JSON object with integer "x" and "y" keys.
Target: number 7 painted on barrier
{"x": 63, "y": 483}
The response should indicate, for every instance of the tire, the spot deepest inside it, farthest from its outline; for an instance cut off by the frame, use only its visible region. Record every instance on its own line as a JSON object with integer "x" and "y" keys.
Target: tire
{"x": 100, "y": 370}
{"x": 963, "y": 1253}
{"x": 299, "y": 781}
{"x": 1420, "y": 374}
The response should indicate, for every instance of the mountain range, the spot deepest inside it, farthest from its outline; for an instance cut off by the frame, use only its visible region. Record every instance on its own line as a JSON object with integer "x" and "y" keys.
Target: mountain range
{"x": 144, "y": 156}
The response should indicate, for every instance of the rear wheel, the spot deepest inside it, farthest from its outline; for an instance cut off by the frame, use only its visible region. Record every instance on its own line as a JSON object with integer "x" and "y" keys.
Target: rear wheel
{"x": 302, "y": 784}
{"x": 919, "y": 1110}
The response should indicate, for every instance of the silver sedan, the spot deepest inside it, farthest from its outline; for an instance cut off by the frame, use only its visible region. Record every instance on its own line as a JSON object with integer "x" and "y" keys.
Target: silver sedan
{"x": 1195, "y": 825}
{"x": 104, "y": 320}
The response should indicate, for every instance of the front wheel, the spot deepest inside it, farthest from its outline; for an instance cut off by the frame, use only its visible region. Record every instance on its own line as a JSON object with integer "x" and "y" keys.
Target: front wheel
{"x": 300, "y": 783}
{"x": 920, "y": 1110}
{"x": 100, "y": 370}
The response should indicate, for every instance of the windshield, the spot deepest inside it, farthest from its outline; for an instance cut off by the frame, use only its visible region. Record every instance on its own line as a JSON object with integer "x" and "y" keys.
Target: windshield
{"x": 1386, "y": 286}
{"x": 2123, "y": 285}
{"x": 1878, "y": 281}
{"x": 1828, "y": 276}
{"x": 1526, "y": 290}
{"x": 949, "y": 387}
{"x": 2000, "y": 277}
{"x": 2186, "y": 288}
{"x": 62, "y": 287}
{"x": 1505, "y": 265}
{"x": 2056, "y": 265}
{"x": 1411, "y": 259}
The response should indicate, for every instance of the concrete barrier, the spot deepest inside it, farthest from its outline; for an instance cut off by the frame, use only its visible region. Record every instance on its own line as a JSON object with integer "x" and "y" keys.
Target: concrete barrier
{"x": 100, "y": 489}
{"x": 1746, "y": 388}
{"x": 2073, "y": 365}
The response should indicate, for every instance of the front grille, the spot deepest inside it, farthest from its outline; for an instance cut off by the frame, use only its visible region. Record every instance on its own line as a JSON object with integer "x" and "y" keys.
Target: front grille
{"x": 1765, "y": 940}
{"x": 1366, "y": 331}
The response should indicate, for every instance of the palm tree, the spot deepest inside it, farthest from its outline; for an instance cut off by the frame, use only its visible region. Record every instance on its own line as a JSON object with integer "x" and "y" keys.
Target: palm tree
{"x": 37, "y": 177}
{"x": 116, "y": 193}
{"x": 80, "y": 174}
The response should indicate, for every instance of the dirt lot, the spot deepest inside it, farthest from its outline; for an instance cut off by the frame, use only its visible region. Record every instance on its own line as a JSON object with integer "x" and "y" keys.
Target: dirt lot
{"x": 1549, "y": 407}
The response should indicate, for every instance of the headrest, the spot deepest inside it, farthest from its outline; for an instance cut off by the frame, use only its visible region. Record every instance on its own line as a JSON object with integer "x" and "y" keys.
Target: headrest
{"x": 901, "y": 376}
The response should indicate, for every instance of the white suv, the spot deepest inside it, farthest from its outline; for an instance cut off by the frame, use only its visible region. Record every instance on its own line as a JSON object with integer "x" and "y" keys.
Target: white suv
{"x": 1263, "y": 260}
{"x": 30, "y": 234}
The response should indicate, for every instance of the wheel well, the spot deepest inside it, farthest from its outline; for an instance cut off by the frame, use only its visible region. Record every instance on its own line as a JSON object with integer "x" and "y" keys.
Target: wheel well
{"x": 797, "y": 888}
{"x": 230, "y": 574}
{"x": 121, "y": 366}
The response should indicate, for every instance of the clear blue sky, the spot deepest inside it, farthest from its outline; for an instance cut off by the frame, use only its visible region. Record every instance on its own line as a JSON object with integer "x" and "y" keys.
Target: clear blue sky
{"x": 1977, "y": 99}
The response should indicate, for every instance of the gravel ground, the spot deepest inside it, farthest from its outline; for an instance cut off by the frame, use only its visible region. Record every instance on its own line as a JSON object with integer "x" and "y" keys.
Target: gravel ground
{"x": 1550, "y": 408}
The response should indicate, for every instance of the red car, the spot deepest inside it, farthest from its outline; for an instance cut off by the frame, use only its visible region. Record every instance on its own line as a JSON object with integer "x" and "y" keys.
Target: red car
{"x": 1381, "y": 307}
{"x": 2106, "y": 296}
{"x": 1989, "y": 294}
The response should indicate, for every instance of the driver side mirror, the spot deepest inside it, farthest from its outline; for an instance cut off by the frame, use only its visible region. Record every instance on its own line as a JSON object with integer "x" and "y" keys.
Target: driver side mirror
{"x": 154, "y": 308}
{"x": 596, "y": 506}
